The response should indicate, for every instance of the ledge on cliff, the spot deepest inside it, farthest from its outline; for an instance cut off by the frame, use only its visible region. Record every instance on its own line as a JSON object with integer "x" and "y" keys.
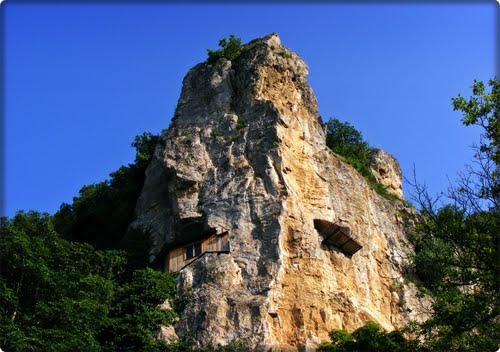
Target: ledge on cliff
{"x": 339, "y": 236}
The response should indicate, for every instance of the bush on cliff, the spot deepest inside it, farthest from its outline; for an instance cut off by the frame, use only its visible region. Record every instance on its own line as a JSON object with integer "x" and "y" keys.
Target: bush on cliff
{"x": 230, "y": 49}
{"x": 342, "y": 138}
{"x": 347, "y": 141}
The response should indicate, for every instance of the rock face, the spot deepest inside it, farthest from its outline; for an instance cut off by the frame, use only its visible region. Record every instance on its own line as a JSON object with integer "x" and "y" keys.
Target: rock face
{"x": 385, "y": 168}
{"x": 246, "y": 153}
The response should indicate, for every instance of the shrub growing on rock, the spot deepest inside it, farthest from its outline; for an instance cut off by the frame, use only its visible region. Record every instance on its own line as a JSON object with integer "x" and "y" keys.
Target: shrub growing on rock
{"x": 345, "y": 140}
{"x": 230, "y": 49}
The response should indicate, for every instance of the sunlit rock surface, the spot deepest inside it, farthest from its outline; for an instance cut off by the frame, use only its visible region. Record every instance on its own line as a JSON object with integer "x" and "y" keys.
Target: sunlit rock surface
{"x": 386, "y": 170}
{"x": 246, "y": 153}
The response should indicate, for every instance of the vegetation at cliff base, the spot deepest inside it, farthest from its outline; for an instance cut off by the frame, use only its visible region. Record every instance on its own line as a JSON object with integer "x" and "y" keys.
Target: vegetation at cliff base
{"x": 369, "y": 337}
{"x": 78, "y": 280}
{"x": 55, "y": 295}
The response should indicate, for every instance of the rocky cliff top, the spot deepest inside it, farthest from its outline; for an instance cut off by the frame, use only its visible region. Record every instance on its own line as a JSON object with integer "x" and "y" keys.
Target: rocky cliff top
{"x": 231, "y": 88}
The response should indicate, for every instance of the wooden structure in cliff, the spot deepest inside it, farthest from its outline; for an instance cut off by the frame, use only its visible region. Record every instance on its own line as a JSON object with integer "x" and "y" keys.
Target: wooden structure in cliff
{"x": 177, "y": 255}
{"x": 339, "y": 236}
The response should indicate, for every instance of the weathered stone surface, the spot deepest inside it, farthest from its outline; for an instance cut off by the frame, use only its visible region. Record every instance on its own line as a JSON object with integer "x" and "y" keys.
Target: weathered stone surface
{"x": 167, "y": 334}
{"x": 246, "y": 153}
{"x": 387, "y": 171}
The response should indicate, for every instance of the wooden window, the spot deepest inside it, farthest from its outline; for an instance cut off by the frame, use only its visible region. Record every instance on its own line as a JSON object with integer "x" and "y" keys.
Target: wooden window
{"x": 197, "y": 249}
{"x": 189, "y": 252}
{"x": 193, "y": 250}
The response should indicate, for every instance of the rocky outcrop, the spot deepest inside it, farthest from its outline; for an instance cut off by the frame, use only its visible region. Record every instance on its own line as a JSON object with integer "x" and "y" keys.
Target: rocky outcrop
{"x": 246, "y": 153}
{"x": 385, "y": 168}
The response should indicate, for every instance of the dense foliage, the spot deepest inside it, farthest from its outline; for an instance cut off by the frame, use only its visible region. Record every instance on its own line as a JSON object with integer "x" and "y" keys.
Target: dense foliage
{"x": 370, "y": 338}
{"x": 136, "y": 315}
{"x": 101, "y": 214}
{"x": 55, "y": 295}
{"x": 345, "y": 140}
{"x": 457, "y": 244}
{"x": 230, "y": 49}
{"x": 61, "y": 286}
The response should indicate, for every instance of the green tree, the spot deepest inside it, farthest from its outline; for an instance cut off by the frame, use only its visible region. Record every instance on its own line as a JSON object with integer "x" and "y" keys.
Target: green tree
{"x": 345, "y": 140}
{"x": 145, "y": 146}
{"x": 230, "y": 49}
{"x": 136, "y": 314}
{"x": 54, "y": 295}
{"x": 58, "y": 294}
{"x": 103, "y": 211}
{"x": 482, "y": 109}
{"x": 457, "y": 244}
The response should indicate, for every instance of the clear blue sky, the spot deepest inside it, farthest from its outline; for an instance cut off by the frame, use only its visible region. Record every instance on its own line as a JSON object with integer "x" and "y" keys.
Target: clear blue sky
{"x": 82, "y": 80}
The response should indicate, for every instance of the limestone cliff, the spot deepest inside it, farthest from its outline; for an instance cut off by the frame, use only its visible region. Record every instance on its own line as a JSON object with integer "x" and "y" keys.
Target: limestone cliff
{"x": 245, "y": 153}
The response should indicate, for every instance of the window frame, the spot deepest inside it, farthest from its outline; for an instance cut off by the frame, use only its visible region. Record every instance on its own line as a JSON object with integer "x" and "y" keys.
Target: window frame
{"x": 193, "y": 250}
